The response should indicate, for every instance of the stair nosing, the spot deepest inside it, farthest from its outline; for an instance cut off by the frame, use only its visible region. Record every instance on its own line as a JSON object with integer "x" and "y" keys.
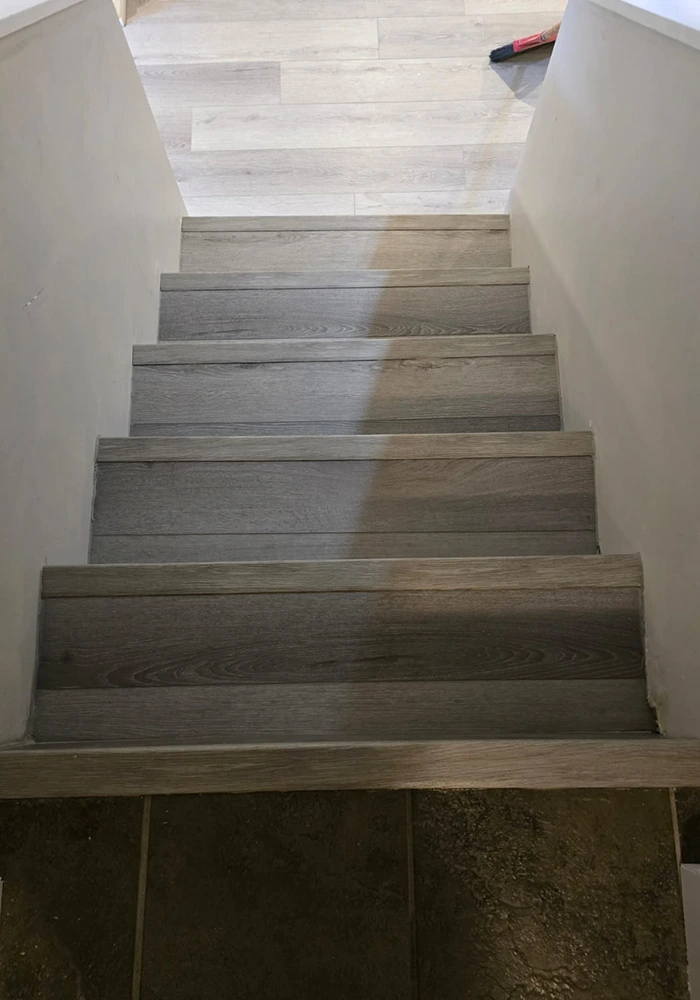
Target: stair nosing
{"x": 348, "y": 447}
{"x": 343, "y": 575}
{"x": 361, "y": 278}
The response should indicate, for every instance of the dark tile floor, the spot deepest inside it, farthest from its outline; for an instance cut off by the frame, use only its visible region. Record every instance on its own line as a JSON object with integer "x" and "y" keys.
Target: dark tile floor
{"x": 517, "y": 896}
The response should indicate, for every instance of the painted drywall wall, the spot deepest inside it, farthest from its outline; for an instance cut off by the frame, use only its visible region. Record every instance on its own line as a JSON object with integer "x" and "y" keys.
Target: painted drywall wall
{"x": 606, "y": 212}
{"x": 89, "y": 216}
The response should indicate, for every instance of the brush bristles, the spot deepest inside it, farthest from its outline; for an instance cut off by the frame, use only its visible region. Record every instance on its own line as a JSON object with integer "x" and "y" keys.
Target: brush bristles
{"x": 505, "y": 52}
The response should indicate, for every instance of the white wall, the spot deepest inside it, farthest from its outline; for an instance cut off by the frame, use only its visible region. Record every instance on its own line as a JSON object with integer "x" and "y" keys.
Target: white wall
{"x": 89, "y": 216}
{"x": 606, "y": 211}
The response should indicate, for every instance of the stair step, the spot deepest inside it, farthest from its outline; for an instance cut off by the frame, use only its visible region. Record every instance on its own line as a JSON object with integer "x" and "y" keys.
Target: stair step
{"x": 417, "y": 385}
{"x": 227, "y": 244}
{"x": 365, "y": 303}
{"x": 329, "y": 223}
{"x": 406, "y": 489}
{"x": 333, "y": 651}
{"x": 69, "y": 770}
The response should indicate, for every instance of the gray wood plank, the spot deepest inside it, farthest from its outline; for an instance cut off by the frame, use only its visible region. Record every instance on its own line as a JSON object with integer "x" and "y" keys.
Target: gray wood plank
{"x": 193, "y": 11}
{"x": 457, "y": 202}
{"x": 175, "y": 128}
{"x": 282, "y": 251}
{"x": 430, "y": 388}
{"x": 189, "y": 84}
{"x": 318, "y": 171}
{"x": 490, "y": 494}
{"x": 398, "y": 447}
{"x": 455, "y": 37}
{"x": 532, "y": 573}
{"x": 330, "y": 126}
{"x": 491, "y": 166}
{"x": 344, "y": 223}
{"x": 629, "y": 762}
{"x": 459, "y": 425}
{"x": 230, "y": 548}
{"x": 140, "y": 642}
{"x": 187, "y": 42}
{"x": 274, "y": 204}
{"x": 359, "y": 278}
{"x": 435, "y": 79}
{"x": 241, "y": 352}
{"x": 272, "y": 713}
{"x": 344, "y": 312}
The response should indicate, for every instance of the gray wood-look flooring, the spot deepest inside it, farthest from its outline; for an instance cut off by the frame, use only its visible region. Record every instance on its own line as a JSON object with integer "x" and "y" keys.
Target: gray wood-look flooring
{"x": 323, "y": 108}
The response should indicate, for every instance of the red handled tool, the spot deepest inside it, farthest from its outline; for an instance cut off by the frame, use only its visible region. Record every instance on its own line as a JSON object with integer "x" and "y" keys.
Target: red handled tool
{"x": 524, "y": 44}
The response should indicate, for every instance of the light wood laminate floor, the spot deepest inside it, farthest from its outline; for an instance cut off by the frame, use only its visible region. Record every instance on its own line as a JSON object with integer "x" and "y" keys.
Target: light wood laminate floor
{"x": 330, "y": 107}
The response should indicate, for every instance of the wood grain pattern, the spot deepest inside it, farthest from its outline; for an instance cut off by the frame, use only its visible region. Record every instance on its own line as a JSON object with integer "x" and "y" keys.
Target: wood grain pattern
{"x": 288, "y": 713}
{"x": 491, "y": 165}
{"x": 282, "y": 251}
{"x": 455, "y": 37}
{"x": 397, "y": 447}
{"x": 231, "y": 548}
{"x": 479, "y": 200}
{"x": 55, "y": 771}
{"x": 270, "y": 392}
{"x": 257, "y": 351}
{"x": 407, "y": 80}
{"x": 506, "y": 573}
{"x": 192, "y": 11}
{"x": 319, "y": 171}
{"x": 191, "y": 84}
{"x": 344, "y": 312}
{"x": 454, "y": 425}
{"x": 273, "y": 204}
{"x": 491, "y": 494}
{"x": 340, "y": 638}
{"x": 359, "y": 278}
{"x": 344, "y": 224}
{"x": 333, "y": 126}
{"x": 188, "y": 42}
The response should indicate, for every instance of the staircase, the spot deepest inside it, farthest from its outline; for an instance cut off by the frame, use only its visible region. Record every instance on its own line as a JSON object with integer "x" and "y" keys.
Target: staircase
{"x": 347, "y": 543}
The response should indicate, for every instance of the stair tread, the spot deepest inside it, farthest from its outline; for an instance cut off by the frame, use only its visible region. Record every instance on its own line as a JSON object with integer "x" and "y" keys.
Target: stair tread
{"x": 308, "y": 576}
{"x": 350, "y": 447}
{"x": 360, "y": 278}
{"x": 647, "y": 761}
{"x": 319, "y": 223}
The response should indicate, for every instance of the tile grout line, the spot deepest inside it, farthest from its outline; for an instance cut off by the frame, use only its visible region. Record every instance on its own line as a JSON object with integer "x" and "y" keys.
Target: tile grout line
{"x": 411, "y": 877}
{"x": 141, "y": 900}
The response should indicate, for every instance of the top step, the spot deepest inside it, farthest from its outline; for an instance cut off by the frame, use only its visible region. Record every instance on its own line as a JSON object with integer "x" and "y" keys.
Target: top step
{"x": 222, "y": 244}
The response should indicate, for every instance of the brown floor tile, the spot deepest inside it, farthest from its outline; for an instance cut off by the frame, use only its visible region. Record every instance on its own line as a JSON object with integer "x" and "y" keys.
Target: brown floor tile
{"x": 70, "y": 874}
{"x": 547, "y": 895}
{"x": 283, "y": 896}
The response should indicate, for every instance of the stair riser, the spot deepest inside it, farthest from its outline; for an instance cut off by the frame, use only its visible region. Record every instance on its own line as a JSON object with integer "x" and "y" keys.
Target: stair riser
{"x": 352, "y": 250}
{"x": 344, "y": 498}
{"x": 275, "y": 398}
{"x": 344, "y": 312}
{"x": 181, "y": 641}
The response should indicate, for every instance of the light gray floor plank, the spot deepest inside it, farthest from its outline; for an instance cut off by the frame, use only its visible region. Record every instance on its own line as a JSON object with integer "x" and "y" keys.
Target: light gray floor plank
{"x": 344, "y": 312}
{"x": 534, "y": 573}
{"x": 303, "y": 638}
{"x": 175, "y": 127}
{"x": 191, "y": 84}
{"x": 456, "y": 37}
{"x": 355, "y": 125}
{"x": 411, "y": 389}
{"x": 240, "y": 352}
{"x": 183, "y": 42}
{"x": 431, "y": 202}
{"x": 231, "y": 548}
{"x": 403, "y": 80}
{"x": 302, "y": 712}
{"x": 278, "y": 204}
{"x": 345, "y": 224}
{"x": 537, "y": 7}
{"x": 491, "y": 166}
{"x": 338, "y": 497}
{"x": 193, "y": 11}
{"x": 247, "y": 173}
{"x": 405, "y": 278}
{"x": 283, "y": 251}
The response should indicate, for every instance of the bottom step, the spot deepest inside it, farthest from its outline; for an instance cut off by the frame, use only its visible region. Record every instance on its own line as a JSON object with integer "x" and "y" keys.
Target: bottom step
{"x": 57, "y": 771}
